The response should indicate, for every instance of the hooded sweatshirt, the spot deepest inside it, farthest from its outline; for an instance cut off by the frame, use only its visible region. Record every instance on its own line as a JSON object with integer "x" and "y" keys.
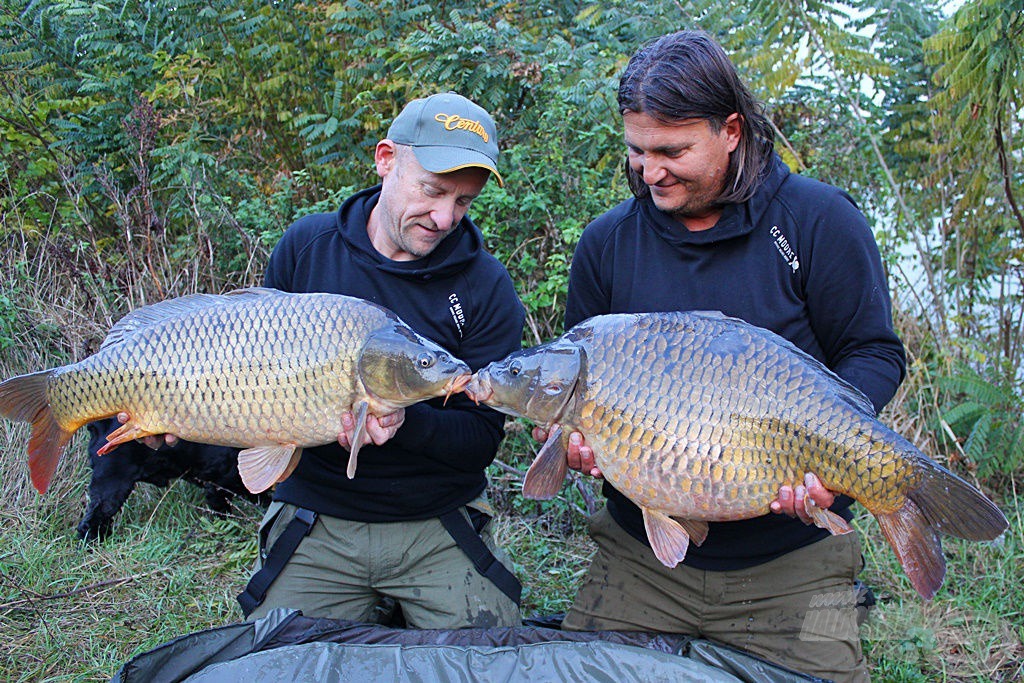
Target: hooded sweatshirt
{"x": 799, "y": 259}
{"x": 459, "y": 296}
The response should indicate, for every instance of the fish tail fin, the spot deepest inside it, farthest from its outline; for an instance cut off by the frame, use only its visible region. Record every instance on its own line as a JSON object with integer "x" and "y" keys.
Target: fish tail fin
{"x": 23, "y": 398}
{"x": 941, "y": 502}
{"x": 917, "y": 546}
{"x": 955, "y": 507}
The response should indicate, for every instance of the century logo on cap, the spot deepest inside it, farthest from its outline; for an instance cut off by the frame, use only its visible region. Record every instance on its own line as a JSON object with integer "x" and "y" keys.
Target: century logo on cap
{"x": 456, "y": 122}
{"x": 465, "y": 138}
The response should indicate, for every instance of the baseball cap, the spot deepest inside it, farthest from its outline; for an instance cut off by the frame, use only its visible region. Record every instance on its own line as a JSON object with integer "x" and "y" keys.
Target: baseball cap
{"x": 448, "y": 132}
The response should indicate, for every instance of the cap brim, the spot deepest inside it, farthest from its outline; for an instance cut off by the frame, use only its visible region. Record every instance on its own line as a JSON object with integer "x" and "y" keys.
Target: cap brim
{"x": 438, "y": 159}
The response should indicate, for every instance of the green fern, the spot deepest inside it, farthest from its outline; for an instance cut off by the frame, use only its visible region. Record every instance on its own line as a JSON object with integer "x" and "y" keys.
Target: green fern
{"x": 986, "y": 416}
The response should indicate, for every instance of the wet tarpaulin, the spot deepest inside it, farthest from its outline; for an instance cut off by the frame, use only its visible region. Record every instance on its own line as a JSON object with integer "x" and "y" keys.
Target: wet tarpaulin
{"x": 285, "y": 645}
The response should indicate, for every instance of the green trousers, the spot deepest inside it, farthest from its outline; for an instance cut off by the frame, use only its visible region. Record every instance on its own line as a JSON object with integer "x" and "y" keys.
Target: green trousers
{"x": 798, "y": 610}
{"x": 343, "y": 569}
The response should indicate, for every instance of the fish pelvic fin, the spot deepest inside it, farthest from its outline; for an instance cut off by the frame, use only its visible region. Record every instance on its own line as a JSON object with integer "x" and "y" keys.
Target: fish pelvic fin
{"x": 357, "y": 438}
{"x": 546, "y": 474}
{"x": 824, "y": 518}
{"x": 668, "y": 538}
{"x": 696, "y": 529}
{"x": 263, "y": 466}
{"x": 293, "y": 462}
{"x": 953, "y": 506}
{"x": 23, "y": 399}
{"x": 917, "y": 546}
{"x": 129, "y": 431}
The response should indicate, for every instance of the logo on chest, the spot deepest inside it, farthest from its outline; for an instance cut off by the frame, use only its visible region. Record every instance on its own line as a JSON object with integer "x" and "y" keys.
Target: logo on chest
{"x": 785, "y": 248}
{"x": 458, "y": 315}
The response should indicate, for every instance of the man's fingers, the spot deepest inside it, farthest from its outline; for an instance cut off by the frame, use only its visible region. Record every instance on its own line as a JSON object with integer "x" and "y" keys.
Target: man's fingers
{"x": 821, "y": 496}
{"x": 590, "y": 462}
{"x": 573, "y": 456}
{"x": 783, "y": 504}
{"x": 799, "y": 494}
{"x": 348, "y": 427}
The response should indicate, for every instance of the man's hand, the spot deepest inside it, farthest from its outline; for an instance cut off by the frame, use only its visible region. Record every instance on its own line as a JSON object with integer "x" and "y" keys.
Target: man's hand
{"x": 156, "y": 440}
{"x": 791, "y": 500}
{"x": 378, "y": 429}
{"x": 580, "y": 457}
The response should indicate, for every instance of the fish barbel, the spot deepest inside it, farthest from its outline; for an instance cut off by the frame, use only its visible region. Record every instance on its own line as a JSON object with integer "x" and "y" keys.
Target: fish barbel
{"x": 697, "y": 417}
{"x": 259, "y": 369}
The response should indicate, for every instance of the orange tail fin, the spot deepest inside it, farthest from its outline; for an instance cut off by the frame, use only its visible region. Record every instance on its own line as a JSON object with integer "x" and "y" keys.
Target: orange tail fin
{"x": 941, "y": 503}
{"x": 917, "y": 546}
{"x": 23, "y": 398}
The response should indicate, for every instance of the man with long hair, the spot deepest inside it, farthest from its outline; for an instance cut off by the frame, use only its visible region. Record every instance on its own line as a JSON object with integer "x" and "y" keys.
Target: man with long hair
{"x": 718, "y": 222}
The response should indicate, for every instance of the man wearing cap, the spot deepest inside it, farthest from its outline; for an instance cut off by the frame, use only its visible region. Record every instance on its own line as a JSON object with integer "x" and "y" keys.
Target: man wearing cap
{"x": 411, "y": 527}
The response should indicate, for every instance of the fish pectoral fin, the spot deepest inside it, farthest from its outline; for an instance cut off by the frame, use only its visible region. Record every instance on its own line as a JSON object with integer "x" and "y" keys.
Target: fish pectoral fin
{"x": 129, "y": 431}
{"x": 263, "y": 466}
{"x": 667, "y": 536}
{"x": 916, "y": 545}
{"x": 357, "y": 438}
{"x": 697, "y": 529}
{"x": 824, "y": 518}
{"x": 546, "y": 474}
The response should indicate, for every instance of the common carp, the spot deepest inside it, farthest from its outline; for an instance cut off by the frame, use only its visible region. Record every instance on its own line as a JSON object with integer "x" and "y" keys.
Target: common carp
{"x": 259, "y": 369}
{"x": 697, "y": 417}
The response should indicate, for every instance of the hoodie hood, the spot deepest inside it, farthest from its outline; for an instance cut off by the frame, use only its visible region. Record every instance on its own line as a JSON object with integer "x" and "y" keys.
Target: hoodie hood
{"x": 452, "y": 255}
{"x": 737, "y": 220}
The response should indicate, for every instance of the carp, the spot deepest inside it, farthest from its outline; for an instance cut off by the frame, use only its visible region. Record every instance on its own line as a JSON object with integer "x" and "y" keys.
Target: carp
{"x": 259, "y": 369}
{"x": 698, "y": 417}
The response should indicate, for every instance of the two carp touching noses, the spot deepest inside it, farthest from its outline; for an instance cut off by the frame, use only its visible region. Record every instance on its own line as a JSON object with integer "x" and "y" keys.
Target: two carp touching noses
{"x": 695, "y": 417}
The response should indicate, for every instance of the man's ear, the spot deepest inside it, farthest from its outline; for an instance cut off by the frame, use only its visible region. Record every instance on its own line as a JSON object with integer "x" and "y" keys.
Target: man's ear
{"x": 384, "y": 157}
{"x": 733, "y": 129}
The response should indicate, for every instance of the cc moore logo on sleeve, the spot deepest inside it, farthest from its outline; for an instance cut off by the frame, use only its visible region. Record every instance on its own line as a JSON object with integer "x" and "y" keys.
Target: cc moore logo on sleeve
{"x": 784, "y": 247}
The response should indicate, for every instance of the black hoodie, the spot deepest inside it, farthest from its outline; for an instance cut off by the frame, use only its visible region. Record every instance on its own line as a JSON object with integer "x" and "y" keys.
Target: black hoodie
{"x": 460, "y": 297}
{"x": 798, "y": 259}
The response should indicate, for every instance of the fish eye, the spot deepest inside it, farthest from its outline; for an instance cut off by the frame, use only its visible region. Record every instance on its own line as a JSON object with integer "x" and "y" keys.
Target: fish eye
{"x": 426, "y": 360}
{"x": 515, "y": 368}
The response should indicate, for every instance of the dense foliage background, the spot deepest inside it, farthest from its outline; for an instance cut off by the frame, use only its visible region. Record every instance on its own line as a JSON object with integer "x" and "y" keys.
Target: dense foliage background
{"x": 152, "y": 149}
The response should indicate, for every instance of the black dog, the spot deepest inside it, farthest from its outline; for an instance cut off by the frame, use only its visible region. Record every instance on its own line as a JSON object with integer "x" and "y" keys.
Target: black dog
{"x": 214, "y": 468}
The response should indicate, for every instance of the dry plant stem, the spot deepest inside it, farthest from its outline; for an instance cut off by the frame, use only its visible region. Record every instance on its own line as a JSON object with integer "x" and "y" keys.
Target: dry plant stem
{"x": 17, "y": 604}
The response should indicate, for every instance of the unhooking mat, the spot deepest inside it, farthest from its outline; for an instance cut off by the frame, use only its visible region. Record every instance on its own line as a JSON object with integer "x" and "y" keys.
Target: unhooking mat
{"x": 287, "y": 646}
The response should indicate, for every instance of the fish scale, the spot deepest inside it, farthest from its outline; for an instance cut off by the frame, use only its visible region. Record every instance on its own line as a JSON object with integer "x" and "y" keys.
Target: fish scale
{"x": 259, "y": 369}
{"x": 697, "y": 417}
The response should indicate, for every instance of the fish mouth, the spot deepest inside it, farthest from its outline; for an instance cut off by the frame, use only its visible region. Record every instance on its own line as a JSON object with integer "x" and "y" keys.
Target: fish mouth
{"x": 479, "y": 390}
{"x": 455, "y": 385}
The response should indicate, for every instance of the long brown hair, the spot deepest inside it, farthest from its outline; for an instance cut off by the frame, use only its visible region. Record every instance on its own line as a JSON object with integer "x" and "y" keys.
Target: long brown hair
{"x": 687, "y": 75}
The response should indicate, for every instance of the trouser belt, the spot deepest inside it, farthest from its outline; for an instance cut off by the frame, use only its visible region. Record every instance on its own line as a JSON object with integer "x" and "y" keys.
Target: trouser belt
{"x": 467, "y": 537}
{"x": 277, "y": 557}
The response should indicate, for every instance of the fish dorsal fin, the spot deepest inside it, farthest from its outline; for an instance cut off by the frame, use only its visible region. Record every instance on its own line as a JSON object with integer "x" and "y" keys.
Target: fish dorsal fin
{"x": 160, "y": 311}
{"x": 845, "y": 391}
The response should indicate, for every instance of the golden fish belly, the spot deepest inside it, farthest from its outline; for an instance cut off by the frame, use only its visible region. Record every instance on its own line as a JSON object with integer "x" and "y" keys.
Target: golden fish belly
{"x": 687, "y": 460}
{"x": 692, "y": 479}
